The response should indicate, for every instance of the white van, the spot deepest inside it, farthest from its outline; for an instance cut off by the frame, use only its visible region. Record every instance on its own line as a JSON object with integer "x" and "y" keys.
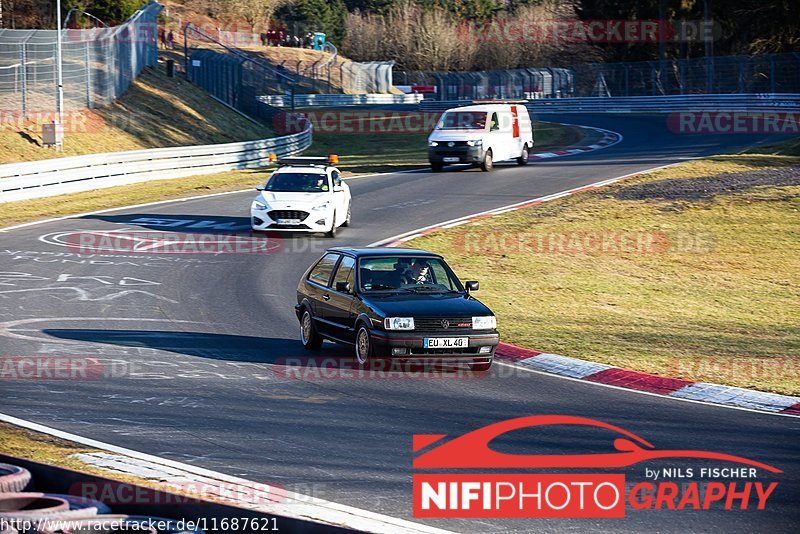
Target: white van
{"x": 481, "y": 135}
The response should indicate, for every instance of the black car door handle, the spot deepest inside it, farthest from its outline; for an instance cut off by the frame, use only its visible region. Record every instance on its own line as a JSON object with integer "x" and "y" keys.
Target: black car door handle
{"x": 326, "y": 297}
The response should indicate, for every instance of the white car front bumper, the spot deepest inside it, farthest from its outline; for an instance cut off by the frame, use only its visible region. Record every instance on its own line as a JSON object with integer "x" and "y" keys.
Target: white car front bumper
{"x": 285, "y": 220}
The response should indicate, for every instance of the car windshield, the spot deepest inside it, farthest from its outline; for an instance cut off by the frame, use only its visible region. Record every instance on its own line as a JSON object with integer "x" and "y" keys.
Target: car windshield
{"x": 463, "y": 120}
{"x": 297, "y": 182}
{"x": 407, "y": 273}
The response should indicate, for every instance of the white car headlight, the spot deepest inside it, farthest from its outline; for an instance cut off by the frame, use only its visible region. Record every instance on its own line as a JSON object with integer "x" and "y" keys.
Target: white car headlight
{"x": 258, "y": 205}
{"x": 433, "y": 143}
{"x": 398, "y": 323}
{"x": 487, "y": 322}
{"x": 321, "y": 207}
{"x": 476, "y": 142}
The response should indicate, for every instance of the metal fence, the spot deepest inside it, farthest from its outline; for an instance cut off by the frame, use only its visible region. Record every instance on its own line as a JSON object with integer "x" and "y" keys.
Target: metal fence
{"x": 515, "y": 83}
{"x": 769, "y": 73}
{"x": 98, "y": 64}
{"x": 771, "y": 103}
{"x": 327, "y": 73}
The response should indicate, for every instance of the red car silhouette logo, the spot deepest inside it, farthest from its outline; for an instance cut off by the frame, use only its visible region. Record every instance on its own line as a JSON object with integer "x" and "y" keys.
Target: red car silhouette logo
{"x": 472, "y": 450}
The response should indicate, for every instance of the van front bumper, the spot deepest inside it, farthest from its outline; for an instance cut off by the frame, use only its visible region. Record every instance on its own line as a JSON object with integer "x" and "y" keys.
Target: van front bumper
{"x": 443, "y": 155}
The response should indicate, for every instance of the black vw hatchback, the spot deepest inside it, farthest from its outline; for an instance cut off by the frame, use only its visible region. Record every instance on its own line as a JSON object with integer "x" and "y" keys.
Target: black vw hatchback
{"x": 395, "y": 303}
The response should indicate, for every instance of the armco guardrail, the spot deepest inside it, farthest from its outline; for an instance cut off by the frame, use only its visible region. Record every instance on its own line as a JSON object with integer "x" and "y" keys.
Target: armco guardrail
{"x": 37, "y": 179}
{"x": 339, "y": 100}
{"x": 649, "y": 104}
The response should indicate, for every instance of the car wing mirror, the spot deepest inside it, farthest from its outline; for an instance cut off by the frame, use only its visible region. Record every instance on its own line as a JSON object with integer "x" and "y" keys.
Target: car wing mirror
{"x": 472, "y": 285}
{"x": 260, "y": 187}
{"x": 343, "y": 287}
{"x": 338, "y": 188}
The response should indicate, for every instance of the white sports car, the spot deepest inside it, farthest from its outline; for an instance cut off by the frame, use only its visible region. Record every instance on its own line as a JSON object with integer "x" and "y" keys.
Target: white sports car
{"x": 302, "y": 195}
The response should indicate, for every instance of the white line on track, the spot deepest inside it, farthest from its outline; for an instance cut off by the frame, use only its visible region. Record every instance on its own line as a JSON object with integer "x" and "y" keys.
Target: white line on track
{"x": 297, "y": 505}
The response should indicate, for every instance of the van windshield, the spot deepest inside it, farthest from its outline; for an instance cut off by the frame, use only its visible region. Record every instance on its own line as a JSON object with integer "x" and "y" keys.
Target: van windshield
{"x": 463, "y": 120}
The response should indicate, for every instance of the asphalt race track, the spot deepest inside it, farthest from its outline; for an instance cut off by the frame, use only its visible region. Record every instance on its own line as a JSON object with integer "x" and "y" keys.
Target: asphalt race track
{"x": 202, "y": 332}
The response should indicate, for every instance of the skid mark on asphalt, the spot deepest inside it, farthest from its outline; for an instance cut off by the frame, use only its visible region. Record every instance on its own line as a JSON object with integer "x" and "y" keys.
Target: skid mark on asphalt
{"x": 83, "y": 295}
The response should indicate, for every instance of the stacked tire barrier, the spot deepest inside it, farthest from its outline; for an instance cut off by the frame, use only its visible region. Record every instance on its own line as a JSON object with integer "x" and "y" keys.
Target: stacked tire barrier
{"x": 27, "y": 512}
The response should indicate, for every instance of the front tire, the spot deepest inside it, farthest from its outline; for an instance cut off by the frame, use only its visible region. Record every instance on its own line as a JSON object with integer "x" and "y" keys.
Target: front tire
{"x": 488, "y": 163}
{"x": 308, "y": 332}
{"x": 332, "y": 232}
{"x": 437, "y": 167}
{"x": 523, "y": 158}
{"x": 363, "y": 345}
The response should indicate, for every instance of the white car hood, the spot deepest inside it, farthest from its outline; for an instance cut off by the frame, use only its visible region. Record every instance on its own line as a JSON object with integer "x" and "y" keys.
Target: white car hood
{"x": 281, "y": 200}
{"x": 456, "y": 135}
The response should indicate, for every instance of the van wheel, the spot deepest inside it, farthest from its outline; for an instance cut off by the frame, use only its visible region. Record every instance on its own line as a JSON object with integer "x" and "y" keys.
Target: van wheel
{"x": 523, "y": 158}
{"x": 487, "y": 164}
{"x": 437, "y": 167}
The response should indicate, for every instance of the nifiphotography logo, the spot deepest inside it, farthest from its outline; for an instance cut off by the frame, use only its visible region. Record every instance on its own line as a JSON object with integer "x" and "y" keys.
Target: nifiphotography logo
{"x": 733, "y": 485}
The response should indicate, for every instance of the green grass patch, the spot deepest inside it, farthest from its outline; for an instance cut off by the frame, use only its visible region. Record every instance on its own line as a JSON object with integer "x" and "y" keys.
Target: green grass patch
{"x": 704, "y": 290}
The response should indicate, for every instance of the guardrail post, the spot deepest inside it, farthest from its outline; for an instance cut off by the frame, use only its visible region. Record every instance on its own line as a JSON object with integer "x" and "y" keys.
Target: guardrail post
{"x": 88, "y": 74}
{"x": 23, "y": 58}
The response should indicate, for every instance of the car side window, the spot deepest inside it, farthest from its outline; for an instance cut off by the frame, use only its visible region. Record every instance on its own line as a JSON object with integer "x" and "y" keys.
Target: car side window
{"x": 345, "y": 271}
{"x": 321, "y": 273}
{"x": 495, "y": 124}
{"x": 337, "y": 178}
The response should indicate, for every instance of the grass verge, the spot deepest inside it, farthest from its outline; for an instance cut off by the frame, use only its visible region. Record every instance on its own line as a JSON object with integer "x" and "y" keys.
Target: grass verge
{"x": 39, "y": 447}
{"x": 156, "y": 111}
{"x": 651, "y": 275}
{"x": 360, "y": 154}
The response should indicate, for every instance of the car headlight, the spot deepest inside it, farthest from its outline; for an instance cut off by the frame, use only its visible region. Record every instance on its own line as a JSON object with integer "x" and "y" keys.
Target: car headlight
{"x": 476, "y": 142}
{"x": 433, "y": 143}
{"x": 321, "y": 207}
{"x": 487, "y": 322}
{"x": 398, "y": 323}
{"x": 259, "y": 205}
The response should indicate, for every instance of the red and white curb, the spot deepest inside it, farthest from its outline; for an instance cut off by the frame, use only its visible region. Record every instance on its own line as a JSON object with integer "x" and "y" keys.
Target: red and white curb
{"x": 659, "y": 385}
{"x": 609, "y": 375}
{"x": 609, "y": 139}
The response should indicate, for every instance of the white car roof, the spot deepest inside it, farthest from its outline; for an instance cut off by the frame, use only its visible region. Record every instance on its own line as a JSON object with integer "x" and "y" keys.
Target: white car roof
{"x": 301, "y": 169}
{"x": 484, "y": 107}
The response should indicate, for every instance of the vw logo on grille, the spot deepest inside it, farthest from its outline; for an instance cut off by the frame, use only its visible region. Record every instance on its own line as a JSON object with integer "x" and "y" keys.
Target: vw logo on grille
{"x": 450, "y": 143}
{"x": 445, "y": 323}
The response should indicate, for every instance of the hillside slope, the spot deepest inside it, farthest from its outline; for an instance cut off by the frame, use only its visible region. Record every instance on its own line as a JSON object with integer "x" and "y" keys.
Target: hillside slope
{"x": 156, "y": 111}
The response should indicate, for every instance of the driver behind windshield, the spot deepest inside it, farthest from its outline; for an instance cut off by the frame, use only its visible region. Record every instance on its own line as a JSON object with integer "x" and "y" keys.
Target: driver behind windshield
{"x": 419, "y": 272}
